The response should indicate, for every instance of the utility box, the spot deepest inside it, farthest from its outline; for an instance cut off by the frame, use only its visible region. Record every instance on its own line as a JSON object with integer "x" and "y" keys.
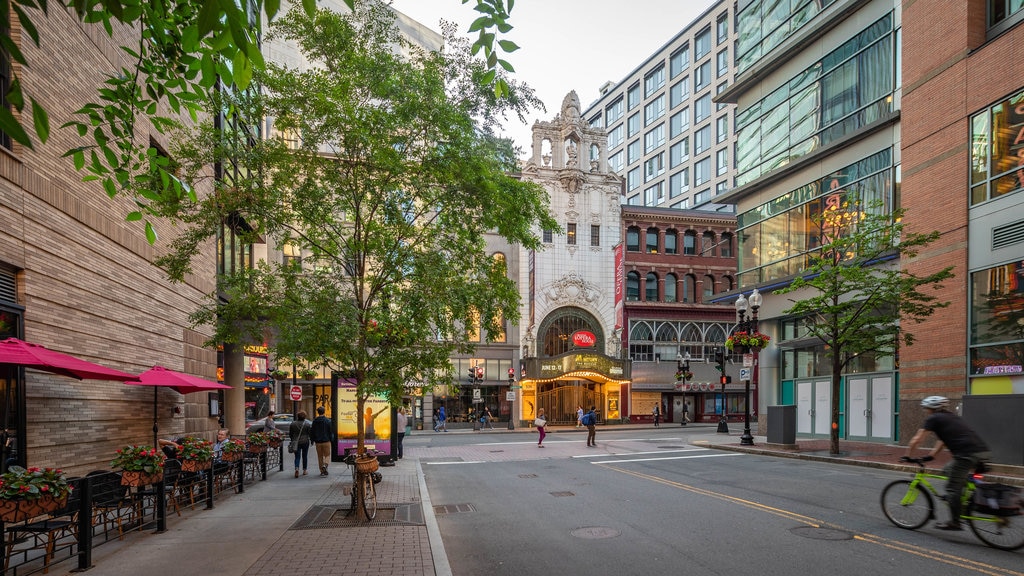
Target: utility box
{"x": 782, "y": 425}
{"x": 996, "y": 418}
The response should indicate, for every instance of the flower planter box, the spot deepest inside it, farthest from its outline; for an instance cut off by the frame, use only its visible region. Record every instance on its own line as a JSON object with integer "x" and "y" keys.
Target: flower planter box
{"x": 139, "y": 478}
{"x": 21, "y": 509}
{"x": 195, "y": 465}
{"x": 231, "y": 456}
{"x": 256, "y": 449}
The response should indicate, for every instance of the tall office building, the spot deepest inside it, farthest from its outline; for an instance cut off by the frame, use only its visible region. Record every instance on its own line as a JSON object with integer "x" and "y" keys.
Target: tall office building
{"x": 817, "y": 95}
{"x": 666, "y": 138}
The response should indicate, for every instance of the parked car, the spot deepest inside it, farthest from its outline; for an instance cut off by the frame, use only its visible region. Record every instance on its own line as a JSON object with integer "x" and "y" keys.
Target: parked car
{"x": 282, "y": 421}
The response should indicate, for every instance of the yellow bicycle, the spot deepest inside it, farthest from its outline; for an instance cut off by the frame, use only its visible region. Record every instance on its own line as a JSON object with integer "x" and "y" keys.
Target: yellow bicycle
{"x": 910, "y": 504}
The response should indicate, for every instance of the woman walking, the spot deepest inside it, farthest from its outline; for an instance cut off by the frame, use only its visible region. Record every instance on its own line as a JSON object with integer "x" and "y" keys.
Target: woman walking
{"x": 540, "y": 427}
{"x": 298, "y": 432}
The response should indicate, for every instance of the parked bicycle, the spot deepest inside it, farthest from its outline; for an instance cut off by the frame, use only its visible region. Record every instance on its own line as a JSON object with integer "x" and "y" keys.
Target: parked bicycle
{"x": 993, "y": 511}
{"x": 364, "y": 479}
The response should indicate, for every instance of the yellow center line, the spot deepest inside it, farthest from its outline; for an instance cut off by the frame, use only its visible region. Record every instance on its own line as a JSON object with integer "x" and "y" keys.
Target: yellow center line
{"x": 930, "y": 554}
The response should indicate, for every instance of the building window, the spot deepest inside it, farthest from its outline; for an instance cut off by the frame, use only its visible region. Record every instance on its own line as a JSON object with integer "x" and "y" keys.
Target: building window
{"x": 570, "y": 234}
{"x": 702, "y": 140}
{"x": 615, "y": 136}
{"x": 633, "y": 125}
{"x": 996, "y": 340}
{"x": 548, "y": 236}
{"x": 651, "y": 287}
{"x": 679, "y": 152}
{"x": 654, "y": 81}
{"x": 679, "y": 183}
{"x": 702, "y": 109}
{"x": 632, "y": 239}
{"x": 690, "y": 243}
{"x": 633, "y": 287}
{"x": 722, "y": 187}
{"x": 701, "y": 197}
{"x": 654, "y": 167}
{"x": 671, "y": 241}
{"x": 996, "y": 134}
{"x": 725, "y": 246}
{"x": 722, "y": 25}
{"x": 654, "y": 194}
{"x": 615, "y": 161}
{"x": 652, "y": 241}
{"x": 596, "y": 122}
{"x": 679, "y": 122}
{"x": 689, "y": 288}
{"x": 670, "y": 287}
{"x": 595, "y": 235}
{"x": 613, "y": 112}
{"x": 633, "y": 152}
{"x": 292, "y": 256}
{"x": 654, "y": 139}
{"x": 633, "y": 179}
{"x": 679, "y": 61}
{"x": 679, "y": 92}
{"x": 718, "y": 90}
{"x": 722, "y": 62}
{"x": 707, "y": 244}
{"x": 682, "y": 204}
{"x": 1003, "y": 10}
{"x": 702, "y": 44}
{"x": 709, "y": 288}
{"x": 721, "y": 162}
{"x": 633, "y": 96}
{"x": 654, "y": 110}
{"x": 702, "y": 77}
{"x": 721, "y": 128}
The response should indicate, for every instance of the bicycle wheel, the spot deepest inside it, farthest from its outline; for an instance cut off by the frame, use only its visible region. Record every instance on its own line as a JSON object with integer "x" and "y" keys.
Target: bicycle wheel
{"x": 369, "y": 496}
{"x": 906, "y": 506}
{"x": 1003, "y": 532}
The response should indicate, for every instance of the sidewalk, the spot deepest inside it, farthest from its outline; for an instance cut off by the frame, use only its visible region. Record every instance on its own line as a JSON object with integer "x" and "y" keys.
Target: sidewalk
{"x": 277, "y": 527}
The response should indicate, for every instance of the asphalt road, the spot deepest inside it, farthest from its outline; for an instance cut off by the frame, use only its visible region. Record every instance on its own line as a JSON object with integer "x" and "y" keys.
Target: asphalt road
{"x": 656, "y": 501}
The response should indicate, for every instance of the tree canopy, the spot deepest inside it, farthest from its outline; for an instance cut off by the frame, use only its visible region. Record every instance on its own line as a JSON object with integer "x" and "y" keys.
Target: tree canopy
{"x": 383, "y": 171}
{"x": 854, "y": 295}
{"x": 185, "y": 48}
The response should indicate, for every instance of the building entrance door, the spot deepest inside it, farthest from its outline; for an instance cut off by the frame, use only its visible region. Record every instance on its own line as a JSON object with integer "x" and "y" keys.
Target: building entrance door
{"x": 813, "y": 407}
{"x": 871, "y": 407}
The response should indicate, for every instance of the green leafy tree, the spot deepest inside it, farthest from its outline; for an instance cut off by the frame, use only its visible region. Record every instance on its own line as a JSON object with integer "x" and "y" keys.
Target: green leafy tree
{"x": 384, "y": 172}
{"x": 855, "y": 296}
{"x": 185, "y": 48}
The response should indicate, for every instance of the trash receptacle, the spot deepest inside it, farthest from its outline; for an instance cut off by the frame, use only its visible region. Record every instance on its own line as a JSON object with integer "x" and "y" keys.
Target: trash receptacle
{"x": 782, "y": 424}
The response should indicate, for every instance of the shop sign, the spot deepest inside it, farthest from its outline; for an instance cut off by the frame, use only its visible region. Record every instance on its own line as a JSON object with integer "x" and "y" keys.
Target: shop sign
{"x": 583, "y": 338}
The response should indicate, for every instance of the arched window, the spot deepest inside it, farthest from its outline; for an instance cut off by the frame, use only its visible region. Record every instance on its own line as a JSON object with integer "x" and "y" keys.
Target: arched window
{"x": 633, "y": 239}
{"x": 651, "y": 287}
{"x": 707, "y": 244}
{"x": 670, "y": 287}
{"x": 690, "y": 243}
{"x": 652, "y": 241}
{"x": 689, "y": 288}
{"x": 633, "y": 286}
{"x": 671, "y": 242}
{"x": 709, "y": 288}
{"x": 555, "y": 332}
{"x": 725, "y": 248}
{"x": 727, "y": 284}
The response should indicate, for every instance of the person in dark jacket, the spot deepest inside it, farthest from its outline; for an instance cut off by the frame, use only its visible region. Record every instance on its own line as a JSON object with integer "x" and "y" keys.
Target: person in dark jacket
{"x": 320, "y": 434}
{"x": 967, "y": 447}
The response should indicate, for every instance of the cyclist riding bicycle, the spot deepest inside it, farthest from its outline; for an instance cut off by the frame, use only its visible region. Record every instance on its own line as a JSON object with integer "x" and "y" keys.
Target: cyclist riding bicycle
{"x": 967, "y": 448}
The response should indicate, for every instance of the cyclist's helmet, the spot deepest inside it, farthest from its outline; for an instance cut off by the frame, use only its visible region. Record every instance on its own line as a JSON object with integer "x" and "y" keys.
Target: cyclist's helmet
{"x": 936, "y": 402}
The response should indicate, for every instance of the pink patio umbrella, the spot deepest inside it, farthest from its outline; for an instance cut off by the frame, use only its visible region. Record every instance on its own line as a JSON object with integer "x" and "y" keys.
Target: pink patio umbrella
{"x": 14, "y": 352}
{"x": 183, "y": 383}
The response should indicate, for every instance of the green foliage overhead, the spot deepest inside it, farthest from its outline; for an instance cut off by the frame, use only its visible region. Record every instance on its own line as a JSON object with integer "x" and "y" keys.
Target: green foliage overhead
{"x": 856, "y": 295}
{"x": 187, "y": 47}
{"x": 383, "y": 170}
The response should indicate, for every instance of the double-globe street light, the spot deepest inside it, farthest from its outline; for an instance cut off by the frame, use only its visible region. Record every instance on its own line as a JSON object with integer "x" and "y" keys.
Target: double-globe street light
{"x": 750, "y": 327}
{"x": 683, "y": 373}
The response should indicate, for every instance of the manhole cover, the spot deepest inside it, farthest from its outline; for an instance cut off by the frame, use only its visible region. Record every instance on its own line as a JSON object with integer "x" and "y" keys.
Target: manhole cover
{"x": 453, "y": 508}
{"x": 817, "y": 533}
{"x": 594, "y": 532}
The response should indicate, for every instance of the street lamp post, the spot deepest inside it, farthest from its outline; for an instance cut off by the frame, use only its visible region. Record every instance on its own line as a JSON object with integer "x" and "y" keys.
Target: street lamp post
{"x": 750, "y": 327}
{"x": 683, "y": 367}
{"x": 512, "y": 406}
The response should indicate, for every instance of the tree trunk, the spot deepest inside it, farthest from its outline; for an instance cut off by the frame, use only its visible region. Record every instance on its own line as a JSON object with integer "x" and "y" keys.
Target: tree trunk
{"x": 837, "y": 368}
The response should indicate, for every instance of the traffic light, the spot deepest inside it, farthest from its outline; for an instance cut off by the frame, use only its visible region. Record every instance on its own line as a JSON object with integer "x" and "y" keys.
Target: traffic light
{"x": 511, "y": 375}
{"x": 266, "y": 390}
{"x": 479, "y": 372}
{"x": 720, "y": 360}
{"x": 725, "y": 379}
{"x": 472, "y": 374}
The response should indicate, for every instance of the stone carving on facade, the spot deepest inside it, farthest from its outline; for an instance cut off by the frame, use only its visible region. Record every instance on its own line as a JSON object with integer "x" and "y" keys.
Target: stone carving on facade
{"x": 572, "y": 180}
{"x": 572, "y": 289}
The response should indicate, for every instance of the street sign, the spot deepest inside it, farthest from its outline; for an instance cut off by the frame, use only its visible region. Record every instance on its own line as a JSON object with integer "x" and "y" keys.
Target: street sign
{"x": 476, "y": 394}
{"x": 510, "y": 396}
{"x": 295, "y": 392}
{"x": 748, "y": 360}
{"x": 744, "y": 373}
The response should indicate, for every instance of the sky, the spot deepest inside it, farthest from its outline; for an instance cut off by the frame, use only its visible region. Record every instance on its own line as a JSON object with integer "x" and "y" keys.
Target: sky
{"x": 570, "y": 44}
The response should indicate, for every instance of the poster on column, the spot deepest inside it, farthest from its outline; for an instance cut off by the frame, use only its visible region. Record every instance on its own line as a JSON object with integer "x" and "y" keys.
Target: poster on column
{"x": 376, "y": 415}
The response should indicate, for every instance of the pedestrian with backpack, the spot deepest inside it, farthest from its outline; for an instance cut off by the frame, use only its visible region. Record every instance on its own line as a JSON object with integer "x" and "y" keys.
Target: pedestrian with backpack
{"x": 590, "y": 421}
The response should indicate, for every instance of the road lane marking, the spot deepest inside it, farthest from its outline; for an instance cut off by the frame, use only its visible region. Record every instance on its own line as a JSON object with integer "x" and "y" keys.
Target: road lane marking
{"x": 549, "y": 440}
{"x": 667, "y": 458}
{"x": 638, "y": 453}
{"x": 921, "y": 551}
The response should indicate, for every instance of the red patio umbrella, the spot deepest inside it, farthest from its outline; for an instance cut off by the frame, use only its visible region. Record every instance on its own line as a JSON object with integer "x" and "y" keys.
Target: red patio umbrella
{"x": 183, "y": 383}
{"x": 14, "y": 352}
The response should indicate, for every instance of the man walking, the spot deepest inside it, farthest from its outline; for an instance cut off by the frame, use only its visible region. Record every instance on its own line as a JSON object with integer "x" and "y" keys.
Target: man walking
{"x": 590, "y": 421}
{"x": 320, "y": 434}
{"x": 401, "y": 422}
